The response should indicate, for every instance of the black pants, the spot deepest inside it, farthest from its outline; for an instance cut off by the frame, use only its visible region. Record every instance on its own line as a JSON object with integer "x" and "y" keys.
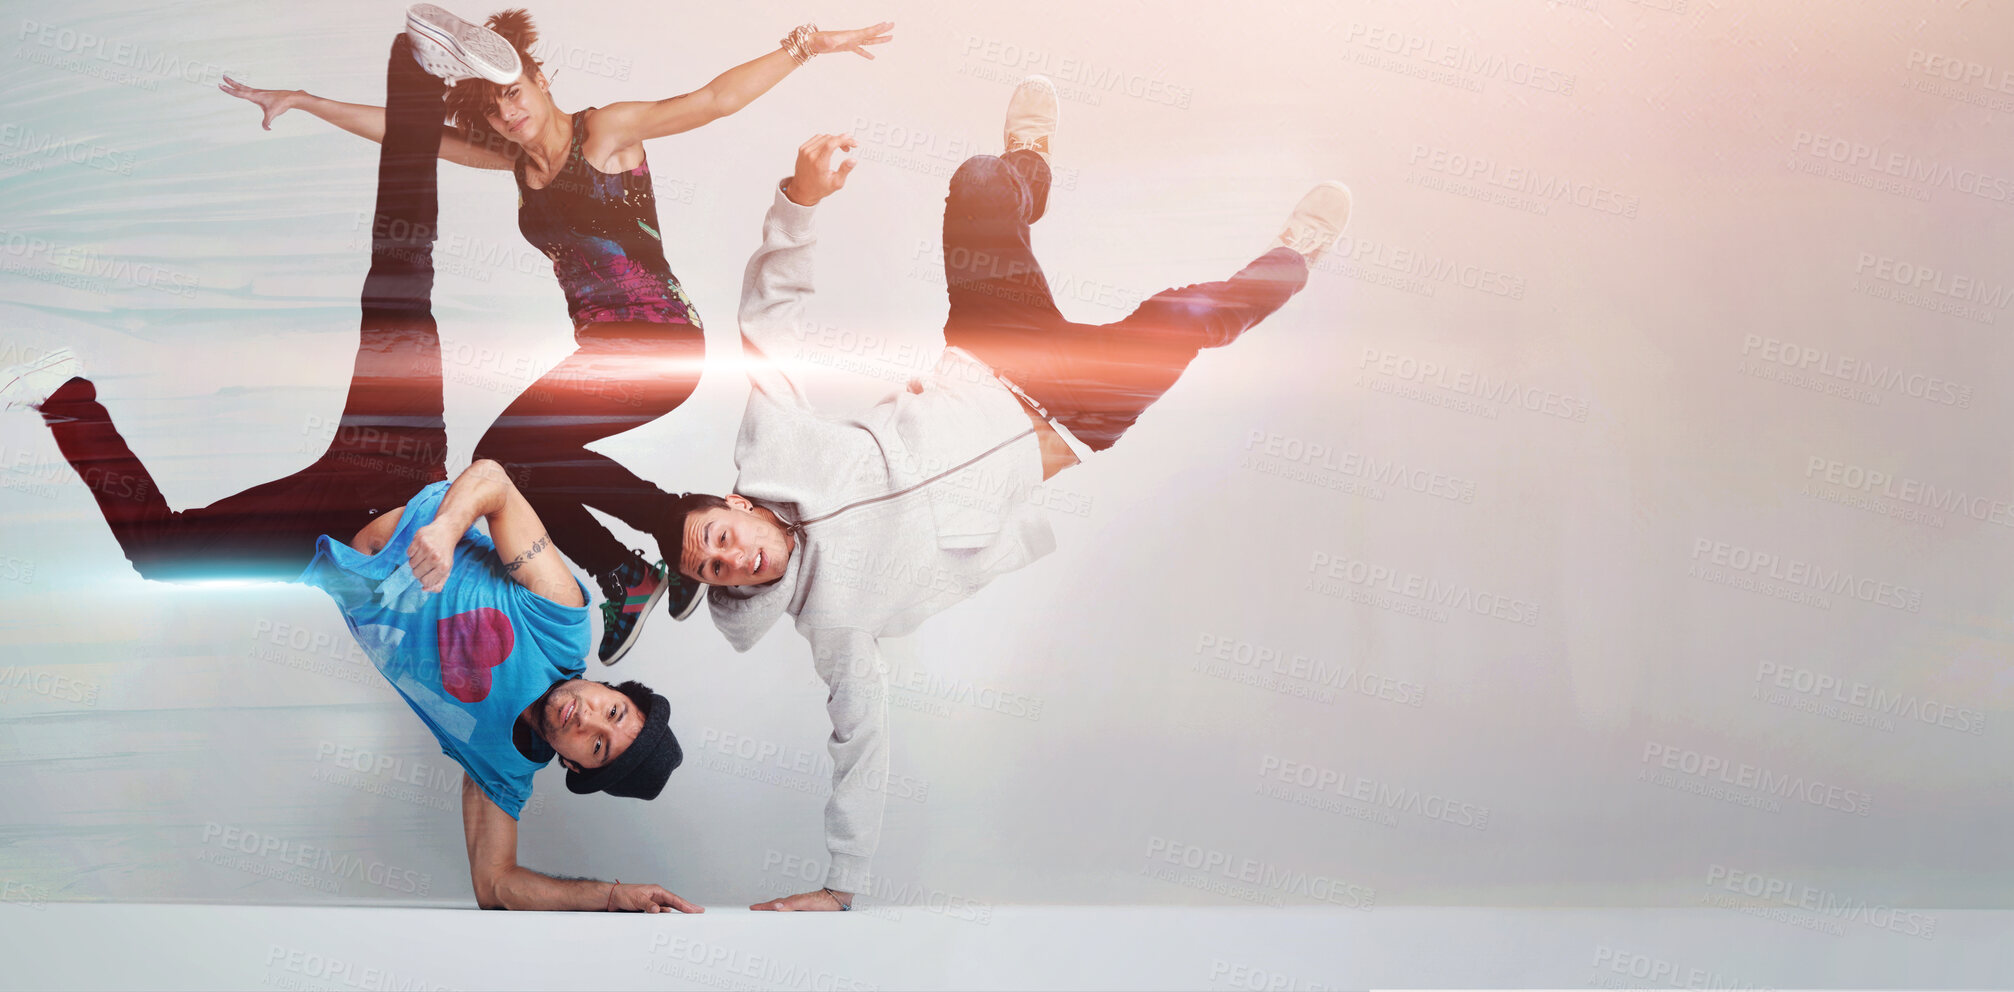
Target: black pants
{"x": 622, "y": 376}
{"x": 1095, "y": 379}
{"x": 392, "y": 440}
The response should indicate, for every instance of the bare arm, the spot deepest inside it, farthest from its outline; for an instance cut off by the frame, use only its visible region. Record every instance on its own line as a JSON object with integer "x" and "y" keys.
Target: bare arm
{"x": 483, "y": 490}
{"x": 362, "y": 120}
{"x": 501, "y": 883}
{"x": 620, "y": 125}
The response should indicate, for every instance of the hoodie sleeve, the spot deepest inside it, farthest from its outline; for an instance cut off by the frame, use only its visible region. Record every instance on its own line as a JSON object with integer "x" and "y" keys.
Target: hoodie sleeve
{"x": 773, "y": 291}
{"x": 849, "y": 660}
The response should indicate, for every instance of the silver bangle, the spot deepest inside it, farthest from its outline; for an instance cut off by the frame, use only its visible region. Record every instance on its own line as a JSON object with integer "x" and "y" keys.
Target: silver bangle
{"x": 797, "y": 44}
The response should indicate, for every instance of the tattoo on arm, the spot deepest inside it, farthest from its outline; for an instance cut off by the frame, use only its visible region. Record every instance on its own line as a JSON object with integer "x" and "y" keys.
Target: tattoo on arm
{"x": 529, "y": 553}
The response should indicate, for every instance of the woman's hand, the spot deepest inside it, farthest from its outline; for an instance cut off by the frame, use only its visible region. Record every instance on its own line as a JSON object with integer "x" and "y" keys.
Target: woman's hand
{"x": 273, "y": 102}
{"x": 815, "y": 178}
{"x": 823, "y": 42}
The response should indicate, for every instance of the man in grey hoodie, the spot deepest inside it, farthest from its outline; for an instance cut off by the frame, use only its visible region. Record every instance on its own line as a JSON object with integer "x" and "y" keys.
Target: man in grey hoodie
{"x": 862, "y": 528}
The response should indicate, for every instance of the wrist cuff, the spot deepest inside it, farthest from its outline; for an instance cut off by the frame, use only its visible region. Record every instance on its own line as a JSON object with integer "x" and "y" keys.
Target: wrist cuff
{"x": 849, "y": 873}
{"x": 792, "y": 217}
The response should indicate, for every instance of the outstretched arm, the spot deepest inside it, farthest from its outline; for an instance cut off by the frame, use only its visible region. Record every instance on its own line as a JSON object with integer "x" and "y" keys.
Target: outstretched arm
{"x": 778, "y": 279}
{"x": 484, "y": 490}
{"x": 362, "y": 120}
{"x": 849, "y": 661}
{"x": 501, "y": 883}
{"x": 630, "y": 122}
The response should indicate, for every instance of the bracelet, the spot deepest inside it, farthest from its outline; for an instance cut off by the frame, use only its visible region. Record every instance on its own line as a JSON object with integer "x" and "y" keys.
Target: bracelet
{"x": 843, "y": 906}
{"x": 798, "y": 42}
{"x": 610, "y": 907}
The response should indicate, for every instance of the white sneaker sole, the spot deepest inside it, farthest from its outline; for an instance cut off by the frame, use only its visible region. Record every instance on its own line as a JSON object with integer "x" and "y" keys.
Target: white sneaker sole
{"x": 27, "y": 385}
{"x": 454, "y": 49}
{"x": 1318, "y": 219}
{"x": 1008, "y": 139}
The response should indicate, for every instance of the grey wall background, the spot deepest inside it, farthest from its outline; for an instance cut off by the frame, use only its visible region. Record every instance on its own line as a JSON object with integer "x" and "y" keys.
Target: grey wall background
{"x": 1636, "y": 300}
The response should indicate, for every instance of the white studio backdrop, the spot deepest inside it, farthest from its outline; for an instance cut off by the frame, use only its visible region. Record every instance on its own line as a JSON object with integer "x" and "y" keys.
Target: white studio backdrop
{"x": 1619, "y": 517}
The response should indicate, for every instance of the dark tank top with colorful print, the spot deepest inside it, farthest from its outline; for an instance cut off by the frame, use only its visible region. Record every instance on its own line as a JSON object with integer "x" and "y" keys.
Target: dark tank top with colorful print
{"x": 600, "y": 230}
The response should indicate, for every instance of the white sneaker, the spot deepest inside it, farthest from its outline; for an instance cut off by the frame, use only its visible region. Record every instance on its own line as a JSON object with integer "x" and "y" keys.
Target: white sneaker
{"x": 454, "y": 49}
{"x": 1031, "y": 116}
{"x": 26, "y": 386}
{"x": 1317, "y": 220}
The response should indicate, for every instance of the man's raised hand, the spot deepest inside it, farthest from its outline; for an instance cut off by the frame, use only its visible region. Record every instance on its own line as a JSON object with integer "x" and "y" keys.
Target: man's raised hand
{"x": 432, "y": 555}
{"x": 815, "y": 178}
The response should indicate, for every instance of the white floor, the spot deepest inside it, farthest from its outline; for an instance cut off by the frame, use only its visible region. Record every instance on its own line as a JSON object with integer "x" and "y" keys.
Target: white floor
{"x": 71, "y": 946}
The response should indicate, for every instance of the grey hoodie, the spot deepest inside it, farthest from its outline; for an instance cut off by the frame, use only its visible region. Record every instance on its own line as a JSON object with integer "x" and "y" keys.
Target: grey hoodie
{"x": 900, "y": 513}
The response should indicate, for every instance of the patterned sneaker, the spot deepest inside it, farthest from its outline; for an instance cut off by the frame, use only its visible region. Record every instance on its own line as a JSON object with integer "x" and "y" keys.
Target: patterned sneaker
{"x": 1316, "y": 220}
{"x": 25, "y": 386}
{"x": 628, "y": 593}
{"x": 454, "y": 49}
{"x": 684, "y": 597}
{"x": 1031, "y": 116}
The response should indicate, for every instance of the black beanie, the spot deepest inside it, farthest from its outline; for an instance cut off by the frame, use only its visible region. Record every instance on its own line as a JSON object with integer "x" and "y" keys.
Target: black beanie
{"x": 640, "y": 770}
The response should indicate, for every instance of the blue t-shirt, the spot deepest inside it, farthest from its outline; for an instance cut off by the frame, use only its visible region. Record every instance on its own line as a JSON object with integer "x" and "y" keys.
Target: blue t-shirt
{"x": 467, "y": 659}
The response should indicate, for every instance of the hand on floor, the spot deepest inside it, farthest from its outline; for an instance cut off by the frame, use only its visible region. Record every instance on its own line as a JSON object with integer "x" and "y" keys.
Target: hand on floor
{"x": 817, "y": 900}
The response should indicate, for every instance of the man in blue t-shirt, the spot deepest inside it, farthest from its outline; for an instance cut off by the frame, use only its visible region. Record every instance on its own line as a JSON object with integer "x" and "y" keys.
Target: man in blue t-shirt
{"x": 483, "y": 635}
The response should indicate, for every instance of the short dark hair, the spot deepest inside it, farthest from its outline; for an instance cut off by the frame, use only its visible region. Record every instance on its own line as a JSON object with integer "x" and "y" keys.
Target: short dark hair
{"x": 469, "y": 101}
{"x": 671, "y": 532}
{"x": 637, "y": 692}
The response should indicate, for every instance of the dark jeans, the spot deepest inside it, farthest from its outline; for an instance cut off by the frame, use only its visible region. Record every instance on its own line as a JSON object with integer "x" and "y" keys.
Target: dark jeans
{"x": 1095, "y": 379}
{"x": 622, "y": 376}
{"x": 392, "y": 440}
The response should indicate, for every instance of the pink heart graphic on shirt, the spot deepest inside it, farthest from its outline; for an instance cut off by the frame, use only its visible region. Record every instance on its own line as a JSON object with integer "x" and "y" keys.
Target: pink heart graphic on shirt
{"x": 471, "y": 644}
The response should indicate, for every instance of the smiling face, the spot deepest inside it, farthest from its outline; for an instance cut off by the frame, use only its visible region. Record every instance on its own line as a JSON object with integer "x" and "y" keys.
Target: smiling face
{"x": 739, "y": 544}
{"x": 588, "y": 723}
